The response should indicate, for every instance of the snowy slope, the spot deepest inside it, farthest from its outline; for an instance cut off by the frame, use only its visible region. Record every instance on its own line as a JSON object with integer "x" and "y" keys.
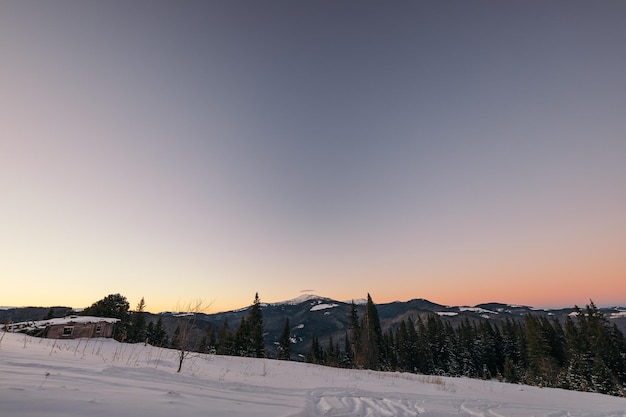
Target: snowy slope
{"x": 103, "y": 378}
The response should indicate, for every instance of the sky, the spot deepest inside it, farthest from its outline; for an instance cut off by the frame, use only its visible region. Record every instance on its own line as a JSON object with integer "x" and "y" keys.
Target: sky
{"x": 462, "y": 152}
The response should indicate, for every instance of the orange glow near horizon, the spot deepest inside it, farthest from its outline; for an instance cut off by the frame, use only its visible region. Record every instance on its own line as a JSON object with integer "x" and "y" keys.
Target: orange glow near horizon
{"x": 243, "y": 152}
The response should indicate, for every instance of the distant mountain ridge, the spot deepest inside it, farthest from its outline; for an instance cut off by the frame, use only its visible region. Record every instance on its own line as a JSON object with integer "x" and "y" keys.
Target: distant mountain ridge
{"x": 323, "y": 317}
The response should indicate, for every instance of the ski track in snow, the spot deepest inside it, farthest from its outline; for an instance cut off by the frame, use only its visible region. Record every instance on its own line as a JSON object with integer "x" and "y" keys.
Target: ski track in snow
{"x": 103, "y": 378}
{"x": 339, "y": 402}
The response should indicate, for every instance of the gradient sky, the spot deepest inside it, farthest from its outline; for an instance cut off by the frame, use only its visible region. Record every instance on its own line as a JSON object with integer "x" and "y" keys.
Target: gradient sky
{"x": 462, "y": 152}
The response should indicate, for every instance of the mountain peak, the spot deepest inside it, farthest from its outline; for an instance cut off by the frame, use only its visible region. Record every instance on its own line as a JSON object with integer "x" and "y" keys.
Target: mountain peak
{"x": 300, "y": 299}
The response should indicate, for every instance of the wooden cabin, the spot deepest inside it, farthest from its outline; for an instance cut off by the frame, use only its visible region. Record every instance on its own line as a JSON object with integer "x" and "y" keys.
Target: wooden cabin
{"x": 71, "y": 327}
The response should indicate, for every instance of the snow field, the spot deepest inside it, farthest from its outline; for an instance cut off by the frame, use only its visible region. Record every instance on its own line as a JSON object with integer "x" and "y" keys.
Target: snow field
{"x": 104, "y": 378}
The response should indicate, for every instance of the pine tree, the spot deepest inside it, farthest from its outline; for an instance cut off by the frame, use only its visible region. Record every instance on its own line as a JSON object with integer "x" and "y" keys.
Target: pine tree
{"x": 412, "y": 350}
{"x": 150, "y": 333}
{"x": 347, "y": 360}
{"x": 355, "y": 337}
{"x": 451, "y": 349}
{"x": 160, "y": 335}
{"x": 423, "y": 353}
{"x": 284, "y": 343}
{"x": 435, "y": 336}
{"x": 225, "y": 340}
{"x": 255, "y": 317}
{"x": 242, "y": 343}
{"x": 137, "y": 326}
{"x": 466, "y": 337}
{"x": 175, "y": 344}
{"x": 371, "y": 337}
{"x": 331, "y": 353}
{"x": 388, "y": 355}
{"x": 403, "y": 349}
{"x": 207, "y": 342}
{"x": 594, "y": 354}
{"x": 315, "y": 353}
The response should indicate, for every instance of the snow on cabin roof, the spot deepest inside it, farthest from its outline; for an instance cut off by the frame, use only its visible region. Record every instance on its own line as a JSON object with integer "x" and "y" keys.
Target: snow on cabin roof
{"x": 40, "y": 324}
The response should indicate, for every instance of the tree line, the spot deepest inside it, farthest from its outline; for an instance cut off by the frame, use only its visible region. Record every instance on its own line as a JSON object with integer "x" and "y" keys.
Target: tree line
{"x": 584, "y": 353}
{"x": 247, "y": 340}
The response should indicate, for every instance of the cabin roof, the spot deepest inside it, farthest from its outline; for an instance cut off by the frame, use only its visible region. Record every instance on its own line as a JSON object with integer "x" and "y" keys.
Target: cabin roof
{"x": 69, "y": 320}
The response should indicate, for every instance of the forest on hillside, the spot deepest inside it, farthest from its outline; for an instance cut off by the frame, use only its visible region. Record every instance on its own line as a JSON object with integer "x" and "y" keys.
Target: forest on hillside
{"x": 585, "y": 353}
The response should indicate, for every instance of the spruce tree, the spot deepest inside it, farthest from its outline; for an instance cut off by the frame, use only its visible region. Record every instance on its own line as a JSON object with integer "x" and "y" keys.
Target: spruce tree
{"x": 160, "y": 335}
{"x": 402, "y": 348}
{"x": 284, "y": 343}
{"x": 150, "y": 333}
{"x": 423, "y": 354}
{"x": 330, "y": 354}
{"x": 347, "y": 360}
{"x": 137, "y": 326}
{"x": 412, "y": 364}
{"x": 242, "y": 342}
{"x": 371, "y": 337}
{"x": 225, "y": 340}
{"x": 176, "y": 342}
{"x": 255, "y": 318}
{"x": 355, "y": 337}
{"x": 315, "y": 353}
{"x": 207, "y": 342}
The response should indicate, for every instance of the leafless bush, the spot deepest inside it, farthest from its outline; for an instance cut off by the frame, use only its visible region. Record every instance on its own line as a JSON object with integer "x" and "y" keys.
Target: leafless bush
{"x": 187, "y": 320}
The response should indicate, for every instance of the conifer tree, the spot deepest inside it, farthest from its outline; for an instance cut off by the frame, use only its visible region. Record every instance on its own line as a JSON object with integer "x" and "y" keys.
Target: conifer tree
{"x": 403, "y": 349}
{"x": 137, "y": 326}
{"x": 207, "y": 342}
{"x": 411, "y": 346}
{"x": 388, "y": 355}
{"x": 315, "y": 353}
{"x": 150, "y": 333}
{"x": 159, "y": 335}
{"x": 466, "y": 338}
{"x": 435, "y": 339}
{"x": 175, "y": 344}
{"x": 595, "y": 359}
{"x": 330, "y": 355}
{"x": 284, "y": 343}
{"x": 371, "y": 337}
{"x": 355, "y": 337}
{"x": 451, "y": 347}
{"x": 225, "y": 340}
{"x": 347, "y": 360}
{"x": 242, "y": 342}
{"x": 423, "y": 354}
{"x": 255, "y": 317}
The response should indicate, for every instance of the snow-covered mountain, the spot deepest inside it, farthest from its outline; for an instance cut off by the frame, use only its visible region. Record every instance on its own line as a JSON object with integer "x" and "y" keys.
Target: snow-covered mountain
{"x": 313, "y": 315}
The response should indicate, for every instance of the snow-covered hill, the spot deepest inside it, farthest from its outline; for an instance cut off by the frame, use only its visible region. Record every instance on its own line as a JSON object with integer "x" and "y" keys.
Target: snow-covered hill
{"x": 103, "y": 378}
